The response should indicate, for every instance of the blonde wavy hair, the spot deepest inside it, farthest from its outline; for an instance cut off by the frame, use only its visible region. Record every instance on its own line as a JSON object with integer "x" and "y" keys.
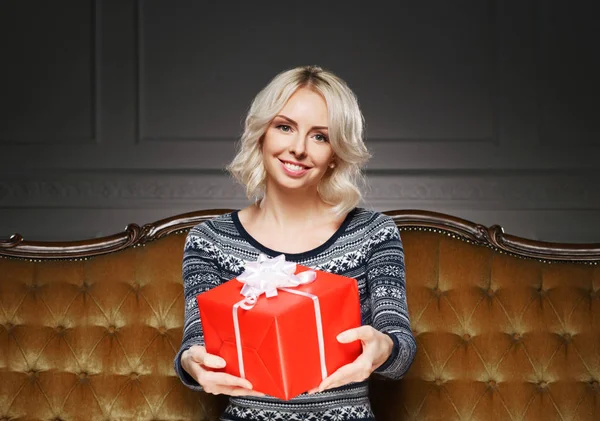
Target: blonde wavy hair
{"x": 339, "y": 186}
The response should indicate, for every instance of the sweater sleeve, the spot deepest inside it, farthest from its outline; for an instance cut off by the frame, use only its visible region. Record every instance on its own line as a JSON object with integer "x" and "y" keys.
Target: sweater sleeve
{"x": 387, "y": 285}
{"x": 200, "y": 273}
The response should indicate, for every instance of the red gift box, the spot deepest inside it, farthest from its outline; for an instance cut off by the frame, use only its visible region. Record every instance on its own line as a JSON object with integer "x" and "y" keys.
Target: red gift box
{"x": 283, "y": 350}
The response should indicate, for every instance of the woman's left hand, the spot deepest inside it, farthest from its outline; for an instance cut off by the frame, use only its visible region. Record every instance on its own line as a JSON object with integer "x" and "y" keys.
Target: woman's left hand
{"x": 376, "y": 346}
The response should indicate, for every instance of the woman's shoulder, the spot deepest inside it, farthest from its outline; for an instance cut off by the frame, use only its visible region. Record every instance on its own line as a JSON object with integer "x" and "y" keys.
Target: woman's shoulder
{"x": 216, "y": 226}
{"x": 375, "y": 228}
{"x": 372, "y": 219}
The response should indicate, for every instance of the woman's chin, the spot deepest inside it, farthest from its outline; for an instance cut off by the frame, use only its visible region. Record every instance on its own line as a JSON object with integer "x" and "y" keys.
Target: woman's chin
{"x": 292, "y": 186}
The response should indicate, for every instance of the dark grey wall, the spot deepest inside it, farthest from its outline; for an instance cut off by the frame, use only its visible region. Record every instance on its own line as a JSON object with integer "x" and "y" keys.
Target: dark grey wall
{"x": 120, "y": 111}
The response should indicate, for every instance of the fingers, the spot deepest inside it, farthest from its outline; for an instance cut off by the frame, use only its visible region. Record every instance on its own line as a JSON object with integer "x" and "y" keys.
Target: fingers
{"x": 223, "y": 383}
{"x": 365, "y": 333}
{"x": 213, "y": 361}
{"x": 198, "y": 363}
{"x": 207, "y": 378}
{"x": 357, "y": 371}
{"x": 198, "y": 354}
{"x": 232, "y": 391}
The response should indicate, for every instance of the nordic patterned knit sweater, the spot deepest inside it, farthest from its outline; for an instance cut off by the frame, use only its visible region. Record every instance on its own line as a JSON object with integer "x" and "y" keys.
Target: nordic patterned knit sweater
{"x": 366, "y": 247}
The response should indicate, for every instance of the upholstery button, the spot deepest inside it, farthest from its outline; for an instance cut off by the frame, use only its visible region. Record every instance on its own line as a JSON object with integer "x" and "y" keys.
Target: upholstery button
{"x": 542, "y": 384}
{"x": 111, "y": 330}
{"x": 594, "y": 384}
{"x": 9, "y": 326}
{"x": 567, "y": 338}
{"x": 82, "y": 376}
{"x": 84, "y": 287}
{"x": 162, "y": 330}
{"x": 134, "y": 376}
{"x": 541, "y": 291}
{"x": 492, "y": 384}
{"x": 60, "y": 330}
{"x": 593, "y": 294}
{"x": 517, "y": 337}
{"x": 32, "y": 374}
{"x": 490, "y": 292}
{"x": 438, "y": 381}
{"x": 437, "y": 292}
{"x": 466, "y": 337}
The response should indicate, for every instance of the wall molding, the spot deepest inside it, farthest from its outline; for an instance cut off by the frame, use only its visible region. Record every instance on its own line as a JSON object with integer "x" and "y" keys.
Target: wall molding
{"x": 139, "y": 189}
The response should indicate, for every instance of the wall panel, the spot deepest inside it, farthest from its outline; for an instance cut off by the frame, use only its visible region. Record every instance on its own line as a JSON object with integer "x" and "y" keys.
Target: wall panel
{"x": 120, "y": 112}
{"x": 50, "y": 73}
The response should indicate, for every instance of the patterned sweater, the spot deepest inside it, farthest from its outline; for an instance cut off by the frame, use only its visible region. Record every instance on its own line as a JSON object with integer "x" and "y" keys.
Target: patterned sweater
{"x": 366, "y": 247}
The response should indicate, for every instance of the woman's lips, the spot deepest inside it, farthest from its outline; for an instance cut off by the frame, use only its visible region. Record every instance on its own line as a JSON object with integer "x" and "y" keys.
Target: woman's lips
{"x": 293, "y": 172}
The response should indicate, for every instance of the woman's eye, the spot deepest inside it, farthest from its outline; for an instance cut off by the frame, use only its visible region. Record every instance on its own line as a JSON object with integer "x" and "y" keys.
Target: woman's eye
{"x": 320, "y": 137}
{"x": 284, "y": 128}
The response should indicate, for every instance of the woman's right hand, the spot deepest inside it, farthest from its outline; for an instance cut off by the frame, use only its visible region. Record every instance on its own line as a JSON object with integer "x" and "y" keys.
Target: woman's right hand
{"x": 198, "y": 364}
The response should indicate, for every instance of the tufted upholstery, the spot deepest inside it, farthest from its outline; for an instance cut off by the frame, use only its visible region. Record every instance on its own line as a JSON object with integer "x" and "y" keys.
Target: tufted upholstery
{"x": 95, "y": 339}
{"x": 500, "y": 337}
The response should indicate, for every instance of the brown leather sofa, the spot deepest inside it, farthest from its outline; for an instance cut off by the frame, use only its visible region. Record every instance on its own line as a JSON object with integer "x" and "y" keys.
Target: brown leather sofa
{"x": 507, "y": 328}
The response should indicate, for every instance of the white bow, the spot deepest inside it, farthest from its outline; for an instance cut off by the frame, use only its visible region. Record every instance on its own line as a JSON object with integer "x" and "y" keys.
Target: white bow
{"x": 266, "y": 275}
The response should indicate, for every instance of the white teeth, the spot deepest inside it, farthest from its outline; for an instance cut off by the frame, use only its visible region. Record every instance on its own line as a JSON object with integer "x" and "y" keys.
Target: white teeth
{"x": 293, "y": 167}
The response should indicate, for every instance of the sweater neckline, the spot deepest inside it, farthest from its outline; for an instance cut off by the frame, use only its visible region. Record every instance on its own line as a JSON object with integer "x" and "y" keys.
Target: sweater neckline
{"x": 305, "y": 254}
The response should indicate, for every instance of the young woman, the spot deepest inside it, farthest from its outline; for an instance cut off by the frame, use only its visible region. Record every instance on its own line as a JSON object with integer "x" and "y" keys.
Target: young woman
{"x": 300, "y": 160}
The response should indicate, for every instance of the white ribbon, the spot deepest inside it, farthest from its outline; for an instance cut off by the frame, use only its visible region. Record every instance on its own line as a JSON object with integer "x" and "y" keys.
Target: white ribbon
{"x": 266, "y": 276}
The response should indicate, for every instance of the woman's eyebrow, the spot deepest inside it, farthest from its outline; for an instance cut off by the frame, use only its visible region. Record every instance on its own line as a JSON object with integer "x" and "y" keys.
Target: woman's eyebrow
{"x": 296, "y": 124}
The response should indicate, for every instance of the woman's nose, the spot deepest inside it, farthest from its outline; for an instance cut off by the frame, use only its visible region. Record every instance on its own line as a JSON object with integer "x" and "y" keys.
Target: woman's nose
{"x": 298, "y": 146}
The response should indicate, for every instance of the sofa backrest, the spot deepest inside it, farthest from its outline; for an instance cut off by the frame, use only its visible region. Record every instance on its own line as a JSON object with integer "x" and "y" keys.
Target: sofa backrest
{"x": 507, "y": 329}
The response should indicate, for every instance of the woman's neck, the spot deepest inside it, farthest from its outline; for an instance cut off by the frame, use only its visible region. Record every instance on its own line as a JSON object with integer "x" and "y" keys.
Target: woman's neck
{"x": 282, "y": 210}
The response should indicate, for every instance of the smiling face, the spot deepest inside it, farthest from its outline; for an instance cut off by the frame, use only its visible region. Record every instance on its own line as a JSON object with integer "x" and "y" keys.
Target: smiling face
{"x": 296, "y": 150}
